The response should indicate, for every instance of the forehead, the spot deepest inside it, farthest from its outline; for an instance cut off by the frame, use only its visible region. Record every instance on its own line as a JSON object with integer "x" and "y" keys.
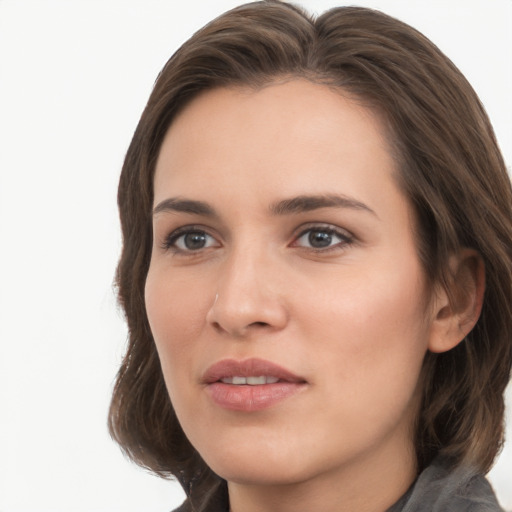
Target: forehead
{"x": 274, "y": 135}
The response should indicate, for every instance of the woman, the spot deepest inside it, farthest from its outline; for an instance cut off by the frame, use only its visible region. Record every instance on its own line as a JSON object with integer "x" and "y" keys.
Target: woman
{"x": 316, "y": 270}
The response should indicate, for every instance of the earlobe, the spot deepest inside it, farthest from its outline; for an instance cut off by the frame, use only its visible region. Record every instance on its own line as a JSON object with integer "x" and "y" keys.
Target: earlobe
{"x": 457, "y": 309}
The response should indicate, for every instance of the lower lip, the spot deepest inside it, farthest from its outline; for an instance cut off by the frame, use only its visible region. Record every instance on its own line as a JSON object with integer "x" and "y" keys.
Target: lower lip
{"x": 251, "y": 398}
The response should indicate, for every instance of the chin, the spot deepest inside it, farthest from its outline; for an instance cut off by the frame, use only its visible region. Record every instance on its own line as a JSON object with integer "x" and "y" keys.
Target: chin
{"x": 259, "y": 473}
{"x": 260, "y": 463}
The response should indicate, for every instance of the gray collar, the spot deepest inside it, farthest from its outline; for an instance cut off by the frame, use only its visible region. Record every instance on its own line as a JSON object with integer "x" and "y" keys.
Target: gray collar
{"x": 439, "y": 489}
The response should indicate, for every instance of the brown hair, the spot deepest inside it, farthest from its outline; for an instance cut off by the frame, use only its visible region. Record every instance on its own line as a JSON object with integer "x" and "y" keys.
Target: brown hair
{"x": 450, "y": 168}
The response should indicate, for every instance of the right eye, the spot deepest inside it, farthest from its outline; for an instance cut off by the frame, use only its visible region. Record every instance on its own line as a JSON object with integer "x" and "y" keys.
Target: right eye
{"x": 190, "y": 240}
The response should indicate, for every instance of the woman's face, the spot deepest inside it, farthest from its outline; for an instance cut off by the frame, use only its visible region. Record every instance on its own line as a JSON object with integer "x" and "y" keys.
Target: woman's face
{"x": 285, "y": 294}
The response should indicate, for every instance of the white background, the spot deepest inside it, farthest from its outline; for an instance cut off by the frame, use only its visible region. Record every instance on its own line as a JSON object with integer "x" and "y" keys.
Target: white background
{"x": 74, "y": 77}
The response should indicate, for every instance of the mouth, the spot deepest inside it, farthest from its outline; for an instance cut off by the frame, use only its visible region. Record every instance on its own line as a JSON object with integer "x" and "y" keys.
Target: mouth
{"x": 250, "y": 385}
{"x": 237, "y": 380}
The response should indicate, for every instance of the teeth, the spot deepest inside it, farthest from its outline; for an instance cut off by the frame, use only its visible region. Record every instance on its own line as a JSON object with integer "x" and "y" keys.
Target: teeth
{"x": 251, "y": 381}
{"x": 255, "y": 381}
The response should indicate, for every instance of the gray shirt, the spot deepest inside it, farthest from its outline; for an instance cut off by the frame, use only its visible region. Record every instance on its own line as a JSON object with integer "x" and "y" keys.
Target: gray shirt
{"x": 438, "y": 489}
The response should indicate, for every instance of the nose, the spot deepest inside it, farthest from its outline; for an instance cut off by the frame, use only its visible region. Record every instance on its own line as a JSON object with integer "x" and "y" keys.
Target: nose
{"x": 249, "y": 296}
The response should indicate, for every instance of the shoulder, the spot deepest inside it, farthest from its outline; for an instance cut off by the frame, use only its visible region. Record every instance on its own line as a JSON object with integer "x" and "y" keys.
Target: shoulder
{"x": 439, "y": 489}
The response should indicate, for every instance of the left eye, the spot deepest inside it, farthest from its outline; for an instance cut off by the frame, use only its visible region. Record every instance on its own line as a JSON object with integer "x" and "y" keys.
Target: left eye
{"x": 321, "y": 238}
{"x": 192, "y": 241}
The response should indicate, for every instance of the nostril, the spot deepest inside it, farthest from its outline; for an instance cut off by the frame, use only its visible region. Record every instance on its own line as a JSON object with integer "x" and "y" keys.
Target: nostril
{"x": 217, "y": 326}
{"x": 259, "y": 324}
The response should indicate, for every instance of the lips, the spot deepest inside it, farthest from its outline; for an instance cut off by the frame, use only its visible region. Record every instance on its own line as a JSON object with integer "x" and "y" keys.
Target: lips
{"x": 229, "y": 368}
{"x": 250, "y": 385}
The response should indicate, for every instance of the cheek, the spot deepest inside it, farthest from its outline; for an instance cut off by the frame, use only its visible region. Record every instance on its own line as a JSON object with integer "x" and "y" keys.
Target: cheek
{"x": 176, "y": 313}
{"x": 370, "y": 345}
{"x": 372, "y": 327}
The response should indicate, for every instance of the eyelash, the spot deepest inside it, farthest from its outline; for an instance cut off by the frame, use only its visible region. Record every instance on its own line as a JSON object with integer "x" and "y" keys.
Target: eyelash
{"x": 345, "y": 239}
{"x": 170, "y": 241}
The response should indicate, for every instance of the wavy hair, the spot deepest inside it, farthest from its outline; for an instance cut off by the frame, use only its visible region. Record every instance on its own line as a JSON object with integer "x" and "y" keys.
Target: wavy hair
{"x": 450, "y": 167}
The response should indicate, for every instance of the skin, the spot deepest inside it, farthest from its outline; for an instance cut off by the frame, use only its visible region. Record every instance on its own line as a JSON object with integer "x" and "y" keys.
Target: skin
{"x": 353, "y": 318}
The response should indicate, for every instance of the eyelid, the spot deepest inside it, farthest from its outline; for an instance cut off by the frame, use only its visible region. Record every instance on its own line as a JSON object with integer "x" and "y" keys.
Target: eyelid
{"x": 169, "y": 240}
{"x": 346, "y": 236}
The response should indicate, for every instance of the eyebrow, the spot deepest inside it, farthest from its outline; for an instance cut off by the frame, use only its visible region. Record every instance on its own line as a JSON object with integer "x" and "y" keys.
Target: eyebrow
{"x": 299, "y": 204}
{"x": 176, "y": 204}
{"x": 308, "y": 203}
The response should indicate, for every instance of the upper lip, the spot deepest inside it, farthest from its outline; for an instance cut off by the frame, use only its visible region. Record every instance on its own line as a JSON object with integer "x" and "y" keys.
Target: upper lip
{"x": 248, "y": 368}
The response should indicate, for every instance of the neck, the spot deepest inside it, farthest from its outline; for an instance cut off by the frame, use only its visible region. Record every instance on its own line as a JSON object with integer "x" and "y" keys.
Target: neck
{"x": 371, "y": 484}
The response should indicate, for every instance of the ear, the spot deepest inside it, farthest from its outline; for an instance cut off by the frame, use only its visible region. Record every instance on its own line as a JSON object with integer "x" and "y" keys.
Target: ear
{"x": 457, "y": 309}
